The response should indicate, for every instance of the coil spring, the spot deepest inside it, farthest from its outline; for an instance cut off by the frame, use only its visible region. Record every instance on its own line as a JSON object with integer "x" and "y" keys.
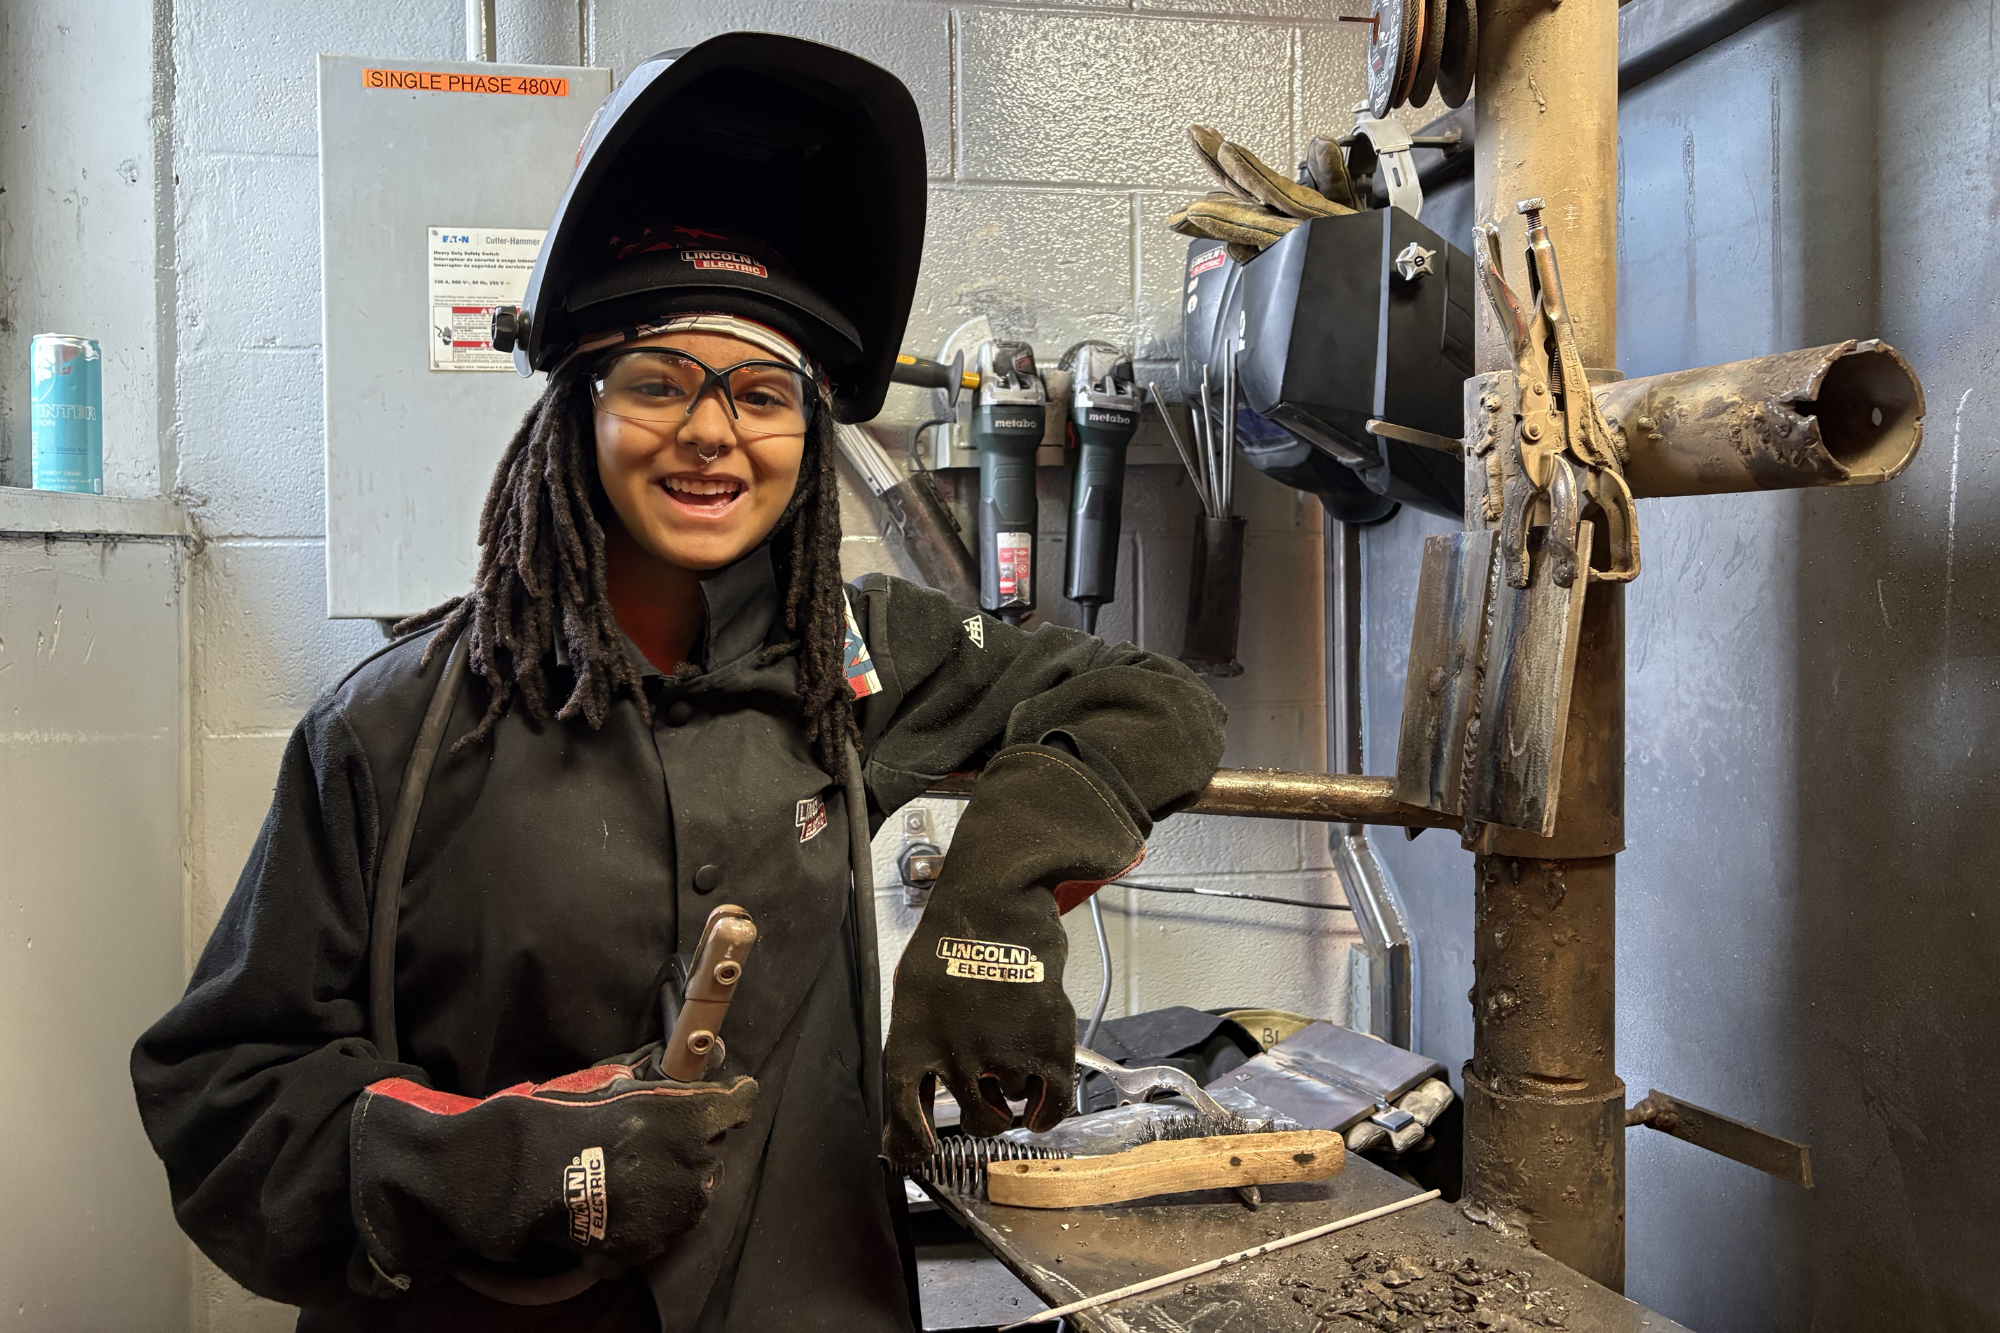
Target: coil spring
{"x": 960, "y": 1162}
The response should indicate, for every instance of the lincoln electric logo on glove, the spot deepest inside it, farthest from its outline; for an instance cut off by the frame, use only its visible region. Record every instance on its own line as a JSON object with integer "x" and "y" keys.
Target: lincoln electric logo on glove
{"x": 585, "y": 1193}
{"x": 983, "y": 960}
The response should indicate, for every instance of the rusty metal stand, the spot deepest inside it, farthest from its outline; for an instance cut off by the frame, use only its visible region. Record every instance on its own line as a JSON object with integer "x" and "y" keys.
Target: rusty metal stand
{"x": 1545, "y": 1108}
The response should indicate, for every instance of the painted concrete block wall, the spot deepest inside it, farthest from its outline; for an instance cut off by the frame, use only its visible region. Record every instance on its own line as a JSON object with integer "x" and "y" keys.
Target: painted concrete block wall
{"x": 1805, "y": 936}
{"x": 91, "y": 716}
{"x": 77, "y": 219}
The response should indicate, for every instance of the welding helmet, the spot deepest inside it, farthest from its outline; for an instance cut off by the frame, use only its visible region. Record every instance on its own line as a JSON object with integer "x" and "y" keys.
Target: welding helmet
{"x": 756, "y": 175}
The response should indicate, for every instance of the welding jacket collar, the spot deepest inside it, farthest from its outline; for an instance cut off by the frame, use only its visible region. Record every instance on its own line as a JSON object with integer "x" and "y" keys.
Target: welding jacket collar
{"x": 742, "y": 618}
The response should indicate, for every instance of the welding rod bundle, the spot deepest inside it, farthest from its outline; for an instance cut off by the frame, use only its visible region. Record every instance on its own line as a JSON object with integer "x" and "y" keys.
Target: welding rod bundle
{"x": 1215, "y": 582}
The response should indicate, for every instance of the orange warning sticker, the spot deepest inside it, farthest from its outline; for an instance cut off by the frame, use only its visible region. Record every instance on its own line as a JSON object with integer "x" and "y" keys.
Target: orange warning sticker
{"x": 455, "y": 81}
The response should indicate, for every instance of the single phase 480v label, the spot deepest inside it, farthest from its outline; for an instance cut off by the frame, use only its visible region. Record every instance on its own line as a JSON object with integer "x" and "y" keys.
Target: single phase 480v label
{"x": 984, "y": 960}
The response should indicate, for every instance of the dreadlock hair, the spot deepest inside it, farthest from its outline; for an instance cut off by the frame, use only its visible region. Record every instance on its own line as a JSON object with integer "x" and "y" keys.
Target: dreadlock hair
{"x": 542, "y": 573}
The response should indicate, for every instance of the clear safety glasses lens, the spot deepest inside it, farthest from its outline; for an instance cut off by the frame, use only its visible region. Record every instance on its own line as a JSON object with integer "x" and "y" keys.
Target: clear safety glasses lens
{"x": 661, "y": 384}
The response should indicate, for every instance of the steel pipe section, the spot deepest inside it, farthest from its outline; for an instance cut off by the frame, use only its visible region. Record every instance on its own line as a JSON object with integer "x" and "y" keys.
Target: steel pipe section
{"x": 1272, "y": 793}
{"x": 1544, "y": 1113}
{"x": 1544, "y": 1106}
{"x": 1848, "y": 414}
{"x": 1330, "y": 798}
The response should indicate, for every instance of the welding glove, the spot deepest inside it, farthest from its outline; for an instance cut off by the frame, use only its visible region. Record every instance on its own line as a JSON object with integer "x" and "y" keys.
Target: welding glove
{"x": 1257, "y": 205}
{"x": 979, "y": 1000}
{"x": 598, "y": 1164}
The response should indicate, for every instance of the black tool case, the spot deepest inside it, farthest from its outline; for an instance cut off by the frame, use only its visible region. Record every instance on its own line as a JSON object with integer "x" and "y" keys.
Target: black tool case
{"x": 1333, "y": 335}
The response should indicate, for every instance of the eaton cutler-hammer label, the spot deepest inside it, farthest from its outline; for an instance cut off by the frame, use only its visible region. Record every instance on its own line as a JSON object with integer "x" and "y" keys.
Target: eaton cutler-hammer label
{"x": 473, "y": 270}
{"x": 983, "y": 960}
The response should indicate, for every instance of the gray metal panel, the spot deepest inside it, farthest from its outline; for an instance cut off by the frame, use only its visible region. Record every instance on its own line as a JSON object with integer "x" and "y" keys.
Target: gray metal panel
{"x": 409, "y": 451}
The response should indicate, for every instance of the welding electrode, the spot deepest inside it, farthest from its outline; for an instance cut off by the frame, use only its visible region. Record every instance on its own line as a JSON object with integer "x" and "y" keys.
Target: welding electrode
{"x": 1104, "y": 414}
{"x": 1007, "y": 424}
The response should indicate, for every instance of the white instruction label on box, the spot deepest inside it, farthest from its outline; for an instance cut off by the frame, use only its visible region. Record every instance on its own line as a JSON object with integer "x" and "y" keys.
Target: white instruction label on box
{"x": 472, "y": 270}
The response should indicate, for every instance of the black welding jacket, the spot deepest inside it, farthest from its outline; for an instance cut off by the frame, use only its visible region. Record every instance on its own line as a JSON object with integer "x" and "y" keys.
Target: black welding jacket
{"x": 554, "y": 871}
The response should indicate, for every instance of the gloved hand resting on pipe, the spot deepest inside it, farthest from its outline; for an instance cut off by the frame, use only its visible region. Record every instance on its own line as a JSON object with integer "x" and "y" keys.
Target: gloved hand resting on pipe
{"x": 607, "y": 1163}
{"x": 979, "y": 1001}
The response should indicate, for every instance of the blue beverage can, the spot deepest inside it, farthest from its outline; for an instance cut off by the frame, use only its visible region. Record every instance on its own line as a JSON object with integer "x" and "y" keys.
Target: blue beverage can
{"x": 67, "y": 427}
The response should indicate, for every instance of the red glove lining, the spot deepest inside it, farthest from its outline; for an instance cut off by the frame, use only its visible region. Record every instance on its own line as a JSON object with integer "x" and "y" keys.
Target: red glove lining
{"x": 582, "y": 1082}
{"x": 1075, "y": 892}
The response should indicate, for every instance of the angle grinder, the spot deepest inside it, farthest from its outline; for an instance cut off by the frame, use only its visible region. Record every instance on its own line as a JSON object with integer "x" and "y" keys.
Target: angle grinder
{"x": 1008, "y": 417}
{"x": 1104, "y": 415}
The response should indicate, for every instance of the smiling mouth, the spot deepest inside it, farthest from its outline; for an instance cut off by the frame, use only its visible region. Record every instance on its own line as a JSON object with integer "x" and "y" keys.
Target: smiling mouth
{"x": 704, "y": 495}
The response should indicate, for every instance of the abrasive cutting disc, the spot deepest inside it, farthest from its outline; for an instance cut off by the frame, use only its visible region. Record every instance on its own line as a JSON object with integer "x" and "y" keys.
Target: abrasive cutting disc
{"x": 1392, "y": 54}
{"x": 1430, "y": 45}
{"x": 1461, "y": 52}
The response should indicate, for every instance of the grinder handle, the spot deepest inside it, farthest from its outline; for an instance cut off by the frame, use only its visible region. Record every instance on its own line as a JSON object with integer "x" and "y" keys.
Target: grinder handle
{"x": 718, "y": 965}
{"x": 928, "y": 374}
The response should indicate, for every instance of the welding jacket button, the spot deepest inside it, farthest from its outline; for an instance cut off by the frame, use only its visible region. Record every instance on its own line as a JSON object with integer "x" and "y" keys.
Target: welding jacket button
{"x": 708, "y": 879}
{"x": 679, "y": 712}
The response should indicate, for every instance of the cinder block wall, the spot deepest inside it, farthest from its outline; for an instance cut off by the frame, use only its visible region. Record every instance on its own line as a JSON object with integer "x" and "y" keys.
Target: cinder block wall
{"x": 1056, "y": 149}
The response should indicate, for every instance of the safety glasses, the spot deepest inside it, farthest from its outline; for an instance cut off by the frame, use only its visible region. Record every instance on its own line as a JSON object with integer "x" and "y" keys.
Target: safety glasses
{"x": 664, "y": 384}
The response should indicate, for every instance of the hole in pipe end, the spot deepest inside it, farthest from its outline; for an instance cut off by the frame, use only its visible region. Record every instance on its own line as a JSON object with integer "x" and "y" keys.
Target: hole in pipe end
{"x": 1871, "y": 413}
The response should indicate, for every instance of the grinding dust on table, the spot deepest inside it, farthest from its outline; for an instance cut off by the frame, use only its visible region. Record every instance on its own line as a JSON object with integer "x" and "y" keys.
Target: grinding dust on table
{"x": 1373, "y": 1289}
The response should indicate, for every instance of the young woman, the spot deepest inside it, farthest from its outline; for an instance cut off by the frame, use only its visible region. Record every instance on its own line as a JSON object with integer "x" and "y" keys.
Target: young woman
{"x": 658, "y": 697}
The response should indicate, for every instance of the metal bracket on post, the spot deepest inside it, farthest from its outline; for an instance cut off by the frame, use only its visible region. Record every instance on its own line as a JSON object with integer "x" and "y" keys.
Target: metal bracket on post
{"x": 1394, "y": 166}
{"x": 1723, "y": 1136}
{"x": 1385, "y": 939}
{"x": 920, "y": 859}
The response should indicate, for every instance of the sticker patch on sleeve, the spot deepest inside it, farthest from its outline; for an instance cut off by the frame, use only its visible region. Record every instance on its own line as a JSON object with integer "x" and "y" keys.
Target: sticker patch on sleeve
{"x": 811, "y": 818}
{"x": 983, "y": 960}
{"x": 585, "y": 1192}
{"x": 861, "y": 677}
{"x": 975, "y": 630}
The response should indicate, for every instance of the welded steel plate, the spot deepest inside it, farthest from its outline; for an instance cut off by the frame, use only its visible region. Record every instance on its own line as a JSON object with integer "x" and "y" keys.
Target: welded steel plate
{"x": 1514, "y": 774}
{"x": 1442, "y": 685}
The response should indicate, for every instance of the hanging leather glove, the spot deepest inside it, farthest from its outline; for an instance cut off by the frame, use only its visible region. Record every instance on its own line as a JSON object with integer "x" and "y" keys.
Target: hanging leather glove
{"x": 599, "y": 1163}
{"x": 979, "y": 1001}
{"x": 1257, "y": 205}
{"x": 1246, "y": 228}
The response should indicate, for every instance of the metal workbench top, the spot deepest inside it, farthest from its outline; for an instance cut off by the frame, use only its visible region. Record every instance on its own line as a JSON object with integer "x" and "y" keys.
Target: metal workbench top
{"x": 1426, "y": 1268}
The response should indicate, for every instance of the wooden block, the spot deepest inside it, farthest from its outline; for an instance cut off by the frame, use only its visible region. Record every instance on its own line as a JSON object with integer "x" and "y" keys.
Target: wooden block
{"x": 1443, "y": 680}
{"x": 1168, "y": 1168}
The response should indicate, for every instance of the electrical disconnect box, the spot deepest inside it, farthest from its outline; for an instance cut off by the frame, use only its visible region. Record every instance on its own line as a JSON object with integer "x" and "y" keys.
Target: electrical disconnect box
{"x": 437, "y": 179}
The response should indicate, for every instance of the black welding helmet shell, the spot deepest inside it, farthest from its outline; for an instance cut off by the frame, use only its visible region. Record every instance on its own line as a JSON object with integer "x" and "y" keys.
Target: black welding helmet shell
{"x": 770, "y": 177}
